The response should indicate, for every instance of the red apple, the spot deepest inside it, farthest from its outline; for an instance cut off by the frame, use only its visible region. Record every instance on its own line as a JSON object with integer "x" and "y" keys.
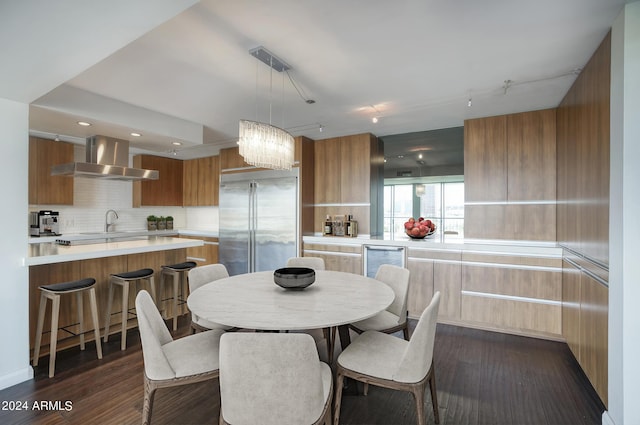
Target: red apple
{"x": 421, "y": 219}
{"x": 415, "y": 232}
{"x": 408, "y": 225}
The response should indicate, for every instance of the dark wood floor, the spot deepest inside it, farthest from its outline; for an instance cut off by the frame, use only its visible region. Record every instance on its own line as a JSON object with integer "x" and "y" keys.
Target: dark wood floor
{"x": 482, "y": 378}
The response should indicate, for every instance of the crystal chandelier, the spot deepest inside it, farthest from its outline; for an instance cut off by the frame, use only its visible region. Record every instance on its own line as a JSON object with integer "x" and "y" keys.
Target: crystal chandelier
{"x": 261, "y": 144}
{"x": 265, "y": 145}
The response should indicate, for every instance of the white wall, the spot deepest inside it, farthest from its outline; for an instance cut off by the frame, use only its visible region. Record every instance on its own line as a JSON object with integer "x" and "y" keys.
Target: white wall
{"x": 14, "y": 285}
{"x": 624, "y": 226}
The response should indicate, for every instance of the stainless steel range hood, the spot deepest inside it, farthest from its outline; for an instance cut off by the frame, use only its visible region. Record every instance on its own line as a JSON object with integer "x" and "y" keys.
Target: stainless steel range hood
{"x": 107, "y": 158}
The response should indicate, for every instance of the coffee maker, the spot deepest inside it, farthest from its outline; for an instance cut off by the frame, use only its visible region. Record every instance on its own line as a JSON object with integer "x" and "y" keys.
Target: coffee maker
{"x": 44, "y": 223}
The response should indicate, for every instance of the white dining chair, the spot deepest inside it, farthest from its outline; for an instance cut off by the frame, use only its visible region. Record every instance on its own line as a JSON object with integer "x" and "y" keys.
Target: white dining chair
{"x": 383, "y": 360}
{"x": 315, "y": 263}
{"x": 394, "y": 318}
{"x": 273, "y": 379}
{"x": 169, "y": 362}
{"x": 197, "y": 277}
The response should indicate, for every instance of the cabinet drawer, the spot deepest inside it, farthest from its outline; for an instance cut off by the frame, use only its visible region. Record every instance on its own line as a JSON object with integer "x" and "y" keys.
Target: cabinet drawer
{"x": 509, "y": 314}
{"x": 513, "y": 282}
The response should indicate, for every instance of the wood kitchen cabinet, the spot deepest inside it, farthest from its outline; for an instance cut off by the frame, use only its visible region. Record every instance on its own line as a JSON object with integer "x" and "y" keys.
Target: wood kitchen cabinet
{"x": 349, "y": 180}
{"x": 167, "y": 190}
{"x": 585, "y": 318}
{"x": 337, "y": 257}
{"x": 43, "y": 187}
{"x": 514, "y": 292}
{"x": 201, "y": 181}
{"x": 232, "y": 161}
{"x": 343, "y": 171}
{"x": 434, "y": 270}
{"x": 510, "y": 176}
{"x": 327, "y": 179}
{"x": 531, "y": 153}
{"x": 485, "y": 159}
{"x": 205, "y": 254}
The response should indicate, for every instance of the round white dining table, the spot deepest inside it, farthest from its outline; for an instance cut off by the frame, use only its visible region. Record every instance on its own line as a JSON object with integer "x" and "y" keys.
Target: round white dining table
{"x": 254, "y": 301}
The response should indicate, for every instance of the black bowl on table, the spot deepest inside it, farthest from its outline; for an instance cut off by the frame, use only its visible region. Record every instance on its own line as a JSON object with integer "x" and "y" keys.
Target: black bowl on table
{"x": 294, "y": 277}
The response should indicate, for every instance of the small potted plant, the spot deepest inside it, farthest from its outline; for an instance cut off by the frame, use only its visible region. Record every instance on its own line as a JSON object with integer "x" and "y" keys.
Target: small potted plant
{"x": 152, "y": 222}
{"x": 169, "y": 220}
{"x": 162, "y": 223}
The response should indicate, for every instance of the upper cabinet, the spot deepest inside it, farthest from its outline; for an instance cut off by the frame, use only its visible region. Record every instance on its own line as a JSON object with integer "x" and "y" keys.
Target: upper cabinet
{"x": 232, "y": 161}
{"x": 348, "y": 180}
{"x": 531, "y": 148}
{"x": 485, "y": 159}
{"x": 328, "y": 181}
{"x": 43, "y": 187}
{"x": 510, "y": 176}
{"x": 167, "y": 190}
{"x": 344, "y": 169}
{"x": 201, "y": 181}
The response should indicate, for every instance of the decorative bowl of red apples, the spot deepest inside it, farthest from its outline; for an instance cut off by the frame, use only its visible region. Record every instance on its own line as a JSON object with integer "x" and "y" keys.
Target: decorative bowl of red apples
{"x": 420, "y": 228}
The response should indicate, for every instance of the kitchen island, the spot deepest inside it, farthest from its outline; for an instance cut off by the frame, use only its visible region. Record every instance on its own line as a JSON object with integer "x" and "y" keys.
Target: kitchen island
{"x": 52, "y": 263}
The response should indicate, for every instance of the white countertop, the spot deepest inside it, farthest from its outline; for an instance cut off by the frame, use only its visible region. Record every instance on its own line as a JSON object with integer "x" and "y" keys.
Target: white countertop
{"x": 448, "y": 243}
{"x": 125, "y": 234}
{"x": 49, "y": 253}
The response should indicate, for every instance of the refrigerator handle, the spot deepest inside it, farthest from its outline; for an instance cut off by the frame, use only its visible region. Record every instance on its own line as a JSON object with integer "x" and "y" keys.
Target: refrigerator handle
{"x": 252, "y": 227}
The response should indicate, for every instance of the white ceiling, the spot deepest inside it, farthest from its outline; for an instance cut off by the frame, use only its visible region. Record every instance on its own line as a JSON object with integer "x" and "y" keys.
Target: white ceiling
{"x": 413, "y": 64}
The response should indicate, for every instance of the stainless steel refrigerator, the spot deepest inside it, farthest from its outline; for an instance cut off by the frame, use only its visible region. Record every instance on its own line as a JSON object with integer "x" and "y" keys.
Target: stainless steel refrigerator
{"x": 258, "y": 220}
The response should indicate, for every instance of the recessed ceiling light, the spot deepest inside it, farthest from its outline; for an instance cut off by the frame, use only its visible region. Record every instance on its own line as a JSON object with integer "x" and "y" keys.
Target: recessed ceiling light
{"x": 84, "y": 123}
{"x": 374, "y": 120}
{"x": 419, "y": 156}
{"x": 176, "y": 143}
{"x": 136, "y": 134}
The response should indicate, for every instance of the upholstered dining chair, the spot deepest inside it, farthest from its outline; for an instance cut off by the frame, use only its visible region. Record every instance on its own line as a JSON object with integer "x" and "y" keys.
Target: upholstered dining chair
{"x": 383, "y": 360}
{"x": 169, "y": 362}
{"x": 273, "y": 379}
{"x": 197, "y": 277}
{"x": 315, "y": 263}
{"x": 394, "y": 318}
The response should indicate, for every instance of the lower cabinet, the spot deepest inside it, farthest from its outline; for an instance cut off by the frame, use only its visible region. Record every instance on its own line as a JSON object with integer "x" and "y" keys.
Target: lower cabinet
{"x": 517, "y": 290}
{"x": 520, "y": 294}
{"x": 523, "y": 300}
{"x": 434, "y": 270}
{"x": 205, "y": 254}
{"x": 337, "y": 257}
{"x": 585, "y": 310}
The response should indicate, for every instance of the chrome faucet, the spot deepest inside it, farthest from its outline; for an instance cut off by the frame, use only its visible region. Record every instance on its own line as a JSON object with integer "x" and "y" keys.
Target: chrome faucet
{"x": 106, "y": 220}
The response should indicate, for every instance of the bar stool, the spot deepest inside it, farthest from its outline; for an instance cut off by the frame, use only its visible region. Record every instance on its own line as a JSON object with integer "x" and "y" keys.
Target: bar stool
{"x": 123, "y": 280}
{"x": 178, "y": 272}
{"x": 53, "y": 293}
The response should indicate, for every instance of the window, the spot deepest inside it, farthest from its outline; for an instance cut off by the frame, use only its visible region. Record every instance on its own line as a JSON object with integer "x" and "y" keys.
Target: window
{"x": 442, "y": 203}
